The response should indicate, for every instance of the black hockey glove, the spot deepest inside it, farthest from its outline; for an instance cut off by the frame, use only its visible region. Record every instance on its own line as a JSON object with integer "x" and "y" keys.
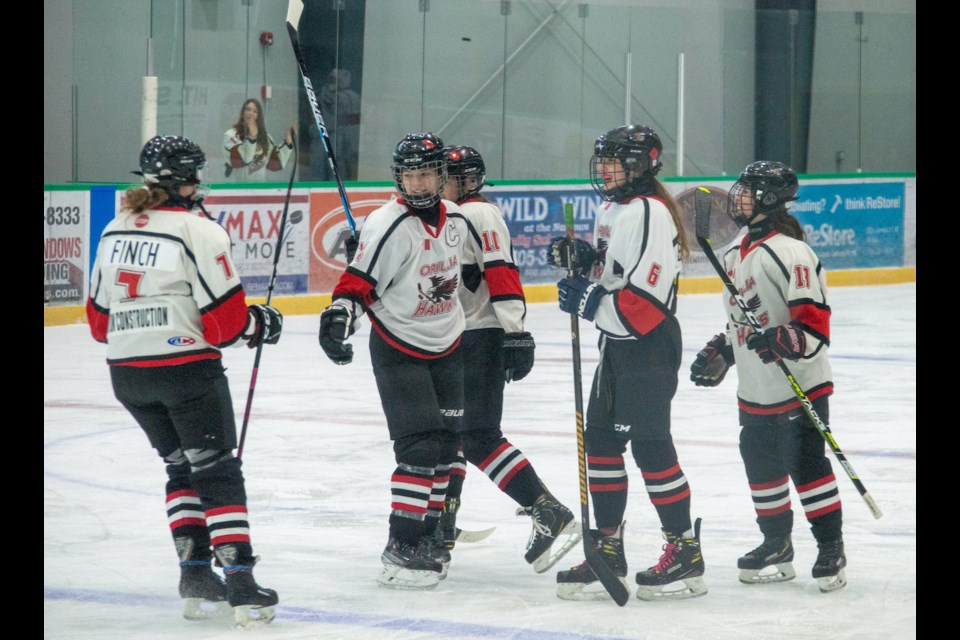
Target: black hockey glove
{"x": 264, "y": 324}
{"x": 517, "y": 355}
{"x": 783, "y": 341}
{"x": 712, "y": 363}
{"x": 335, "y": 327}
{"x": 580, "y": 296}
{"x": 583, "y": 254}
{"x": 350, "y": 246}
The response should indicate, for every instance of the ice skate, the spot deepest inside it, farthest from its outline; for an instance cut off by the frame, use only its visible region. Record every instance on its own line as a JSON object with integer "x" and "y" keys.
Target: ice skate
{"x": 679, "y": 574}
{"x": 406, "y": 567}
{"x": 554, "y": 532}
{"x": 581, "y": 583}
{"x": 252, "y": 604}
{"x": 203, "y": 591}
{"x": 447, "y": 527}
{"x": 772, "y": 561}
{"x": 828, "y": 569}
{"x": 434, "y": 547}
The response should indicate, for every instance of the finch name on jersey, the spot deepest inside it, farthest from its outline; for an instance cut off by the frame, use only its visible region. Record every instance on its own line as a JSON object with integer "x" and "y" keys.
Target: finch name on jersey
{"x": 144, "y": 254}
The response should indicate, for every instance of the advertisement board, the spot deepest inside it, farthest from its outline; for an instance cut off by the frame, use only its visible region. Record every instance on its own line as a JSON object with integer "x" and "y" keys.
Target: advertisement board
{"x": 66, "y": 249}
{"x": 252, "y": 219}
{"x": 851, "y": 224}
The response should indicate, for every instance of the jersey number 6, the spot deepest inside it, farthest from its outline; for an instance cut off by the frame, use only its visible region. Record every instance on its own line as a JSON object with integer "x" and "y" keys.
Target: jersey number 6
{"x": 654, "y": 276}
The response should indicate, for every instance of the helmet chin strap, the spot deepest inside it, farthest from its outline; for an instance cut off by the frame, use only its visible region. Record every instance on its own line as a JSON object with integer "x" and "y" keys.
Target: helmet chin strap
{"x": 187, "y": 202}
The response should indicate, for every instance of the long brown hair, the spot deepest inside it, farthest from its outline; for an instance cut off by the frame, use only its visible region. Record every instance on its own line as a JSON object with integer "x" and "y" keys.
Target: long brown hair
{"x": 787, "y": 225}
{"x": 139, "y": 199}
{"x": 262, "y": 139}
{"x": 661, "y": 192}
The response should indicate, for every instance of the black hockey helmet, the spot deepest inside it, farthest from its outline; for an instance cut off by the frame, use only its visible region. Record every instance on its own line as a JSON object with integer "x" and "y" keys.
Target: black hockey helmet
{"x": 423, "y": 151}
{"x": 638, "y": 149}
{"x": 465, "y": 167}
{"x": 170, "y": 162}
{"x": 769, "y": 186}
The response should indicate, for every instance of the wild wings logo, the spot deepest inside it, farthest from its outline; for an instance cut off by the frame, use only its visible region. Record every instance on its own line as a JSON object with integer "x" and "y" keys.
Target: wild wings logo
{"x": 439, "y": 297}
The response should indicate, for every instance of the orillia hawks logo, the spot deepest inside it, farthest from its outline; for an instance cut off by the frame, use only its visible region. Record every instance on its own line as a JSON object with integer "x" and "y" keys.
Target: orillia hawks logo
{"x": 440, "y": 289}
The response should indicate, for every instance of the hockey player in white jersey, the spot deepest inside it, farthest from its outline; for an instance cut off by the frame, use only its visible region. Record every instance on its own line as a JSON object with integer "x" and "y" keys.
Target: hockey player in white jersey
{"x": 165, "y": 297}
{"x": 628, "y": 288}
{"x": 404, "y": 278}
{"x": 783, "y": 282}
{"x": 496, "y": 350}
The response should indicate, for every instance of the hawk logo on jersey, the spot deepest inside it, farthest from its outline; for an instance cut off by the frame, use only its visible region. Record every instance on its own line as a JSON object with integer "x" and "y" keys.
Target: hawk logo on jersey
{"x": 441, "y": 289}
{"x": 440, "y": 299}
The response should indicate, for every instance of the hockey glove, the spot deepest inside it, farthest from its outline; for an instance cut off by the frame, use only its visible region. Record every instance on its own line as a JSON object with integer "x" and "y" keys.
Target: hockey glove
{"x": 517, "y": 355}
{"x": 580, "y": 296}
{"x": 783, "y": 341}
{"x": 350, "y": 246}
{"x": 712, "y": 363}
{"x": 335, "y": 325}
{"x": 264, "y": 324}
{"x": 583, "y": 254}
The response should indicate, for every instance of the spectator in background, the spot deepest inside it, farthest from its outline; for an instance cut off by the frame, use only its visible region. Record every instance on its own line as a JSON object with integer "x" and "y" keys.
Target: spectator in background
{"x": 252, "y": 155}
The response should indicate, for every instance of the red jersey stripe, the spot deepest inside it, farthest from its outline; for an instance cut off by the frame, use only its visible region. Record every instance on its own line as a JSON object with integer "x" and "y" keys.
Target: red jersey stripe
{"x": 639, "y": 313}
{"x": 503, "y": 281}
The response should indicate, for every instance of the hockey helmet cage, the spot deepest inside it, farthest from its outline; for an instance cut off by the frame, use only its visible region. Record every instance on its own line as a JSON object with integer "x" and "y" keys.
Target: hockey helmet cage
{"x": 638, "y": 148}
{"x": 768, "y": 185}
{"x": 465, "y": 167}
{"x": 419, "y": 151}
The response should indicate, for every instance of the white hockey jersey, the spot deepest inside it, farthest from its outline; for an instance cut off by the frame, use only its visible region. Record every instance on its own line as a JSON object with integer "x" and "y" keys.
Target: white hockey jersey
{"x": 782, "y": 281}
{"x": 249, "y": 163}
{"x": 638, "y": 260}
{"x": 491, "y": 293}
{"x": 164, "y": 289}
{"x": 405, "y": 276}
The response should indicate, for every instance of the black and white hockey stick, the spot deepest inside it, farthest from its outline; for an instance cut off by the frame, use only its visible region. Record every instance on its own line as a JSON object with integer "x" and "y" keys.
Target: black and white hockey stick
{"x": 295, "y": 218}
{"x": 702, "y": 206}
{"x": 607, "y": 577}
{"x": 294, "y": 11}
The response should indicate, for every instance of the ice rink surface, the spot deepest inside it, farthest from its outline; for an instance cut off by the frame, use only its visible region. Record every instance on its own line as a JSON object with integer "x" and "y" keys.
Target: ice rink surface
{"x": 318, "y": 463}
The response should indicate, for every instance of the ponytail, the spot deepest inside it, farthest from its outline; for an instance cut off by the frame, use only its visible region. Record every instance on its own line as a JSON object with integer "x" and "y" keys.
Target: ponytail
{"x": 661, "y": 192}
{"x": 139, "y": 199}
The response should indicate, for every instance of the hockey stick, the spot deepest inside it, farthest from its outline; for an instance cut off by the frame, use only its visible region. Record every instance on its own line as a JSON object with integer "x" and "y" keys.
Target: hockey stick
{"x": 702, "y": 206}
{"x": 465, "y": 535}
{"x": 294, "y": 11}
{"x": 608, "y": 579}
{"x": 273, "y": 278}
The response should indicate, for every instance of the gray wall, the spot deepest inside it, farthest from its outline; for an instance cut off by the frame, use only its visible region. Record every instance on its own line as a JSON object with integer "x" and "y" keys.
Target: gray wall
{"x": 98, "y": 49}
{"x": 865, "y": 88}
{"x": 564, "y": 82}
{"x": 531, "y": 89}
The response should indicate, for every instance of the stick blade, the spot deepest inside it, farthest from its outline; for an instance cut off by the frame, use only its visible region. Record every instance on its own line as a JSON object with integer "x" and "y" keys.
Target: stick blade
{"x": 294, "y": 11}
{"x": 465, "y": 535}
{"x": 701, "y": 207}
{"x": 609, "y": 580}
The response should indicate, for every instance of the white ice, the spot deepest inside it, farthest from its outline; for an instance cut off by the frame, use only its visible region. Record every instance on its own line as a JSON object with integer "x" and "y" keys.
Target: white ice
{"x": 318, "y": 463}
